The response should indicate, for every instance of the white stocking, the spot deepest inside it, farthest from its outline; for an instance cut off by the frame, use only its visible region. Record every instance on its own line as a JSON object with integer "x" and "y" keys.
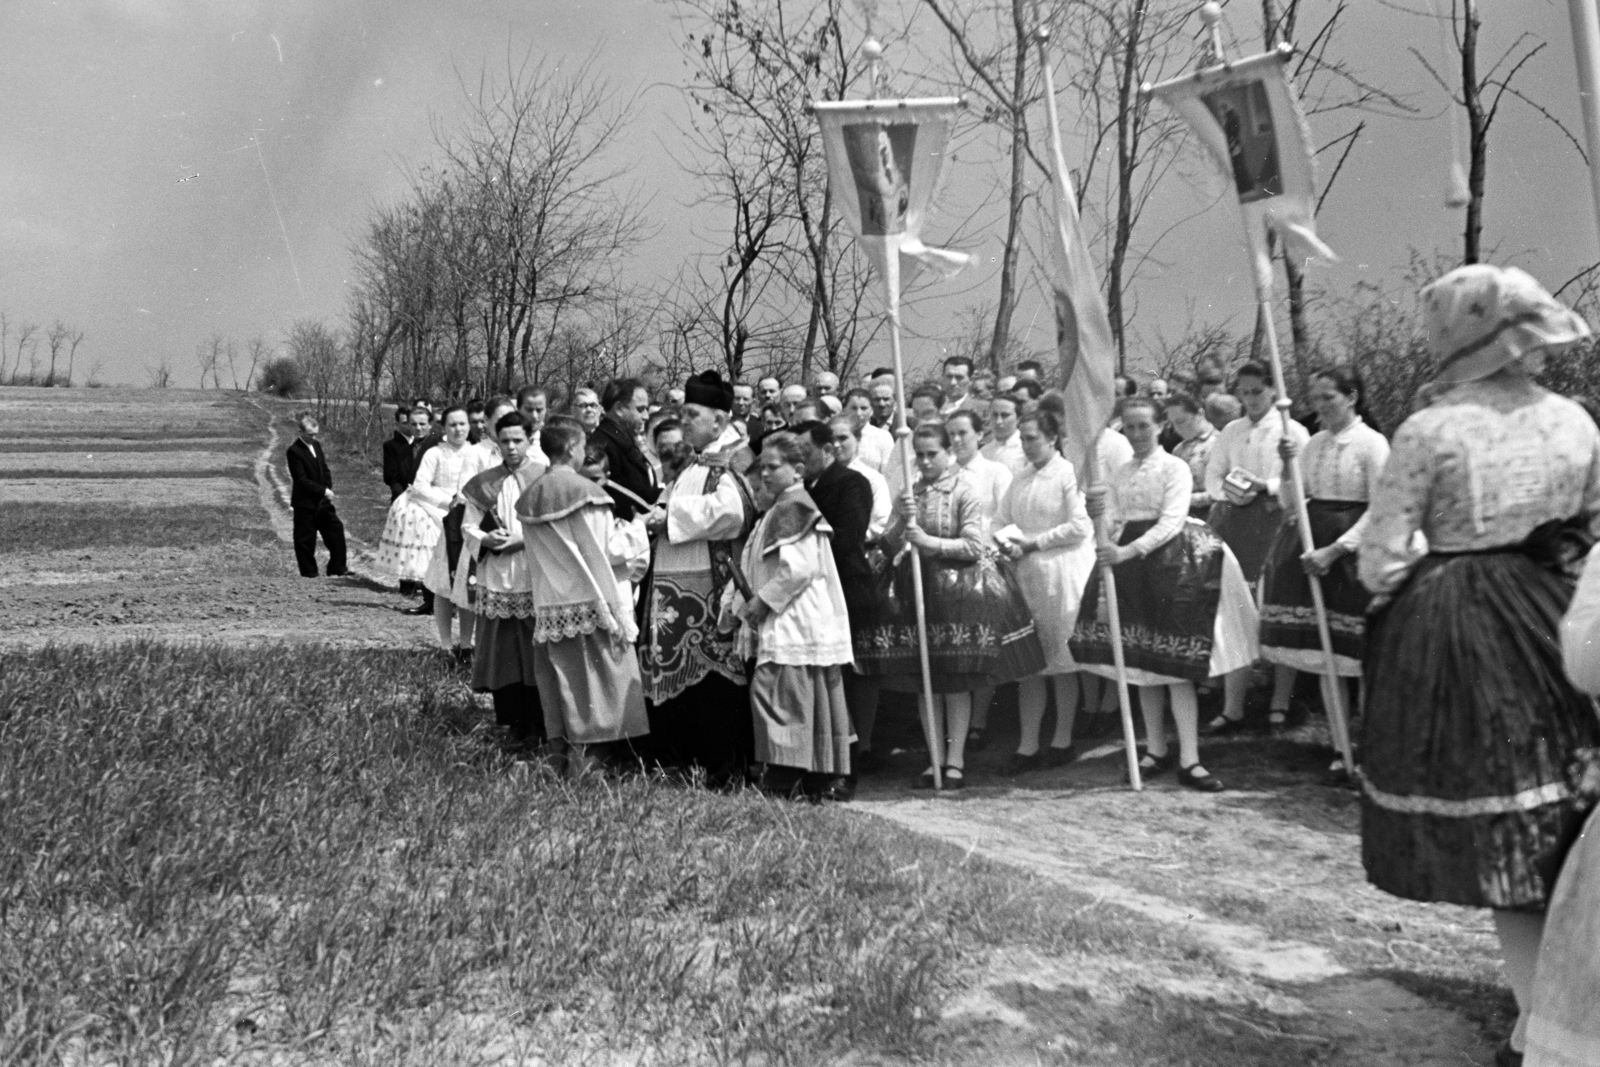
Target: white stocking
{"x": 1066, "y": 686}
{"x": 1153, "y": 702}
{"x": 1282, "y": 687}
{"x": 468, "y": 622}
{"x": 1520, "y": 933}
{"x": 443, "y": 613}
{"x": 1234, "y": 687}
{"x": 981, "y": 699}
{"x": 1030, "y": 710}
{"x": 957, "y": 720}
{"x": 1186, "y": 714}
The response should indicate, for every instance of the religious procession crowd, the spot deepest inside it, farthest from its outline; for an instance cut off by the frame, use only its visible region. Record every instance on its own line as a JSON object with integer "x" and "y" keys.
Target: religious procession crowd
{"x": 725, "y": 581}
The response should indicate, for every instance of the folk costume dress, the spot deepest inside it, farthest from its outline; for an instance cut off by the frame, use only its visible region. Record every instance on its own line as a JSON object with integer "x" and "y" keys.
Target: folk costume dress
{"x": 1341, "y": 471}
{"x": 695, "y": 680}
{"x": 1196, "y": 452}
{"x": 797, "y": 699}
{"x": 1045, "y": 502}
{"x": 990, "y": 480}
{"x": 1479, "y": 758}
{"x": 415, "y": 522}
{"x": 503, "y": 663}
{"x": 464, "y": 577}
{"x": 979, "y": 630}
{"x": 1008, "y": 454}
{"x": 1250, "y": 529}
{"x": 1185, "y": 609}
{"x": 583, "y": 624}
{"x": 449, "y": 474}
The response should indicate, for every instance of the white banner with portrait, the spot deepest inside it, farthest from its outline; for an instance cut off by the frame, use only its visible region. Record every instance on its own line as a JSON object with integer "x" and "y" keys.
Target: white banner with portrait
{"x": 884, "y": 161}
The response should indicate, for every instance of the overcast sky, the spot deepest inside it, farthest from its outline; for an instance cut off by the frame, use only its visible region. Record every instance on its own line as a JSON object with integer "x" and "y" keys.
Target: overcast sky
{"x": 170, "y": 168}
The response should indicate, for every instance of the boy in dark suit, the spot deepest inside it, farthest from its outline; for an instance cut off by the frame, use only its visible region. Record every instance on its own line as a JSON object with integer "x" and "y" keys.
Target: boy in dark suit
{"x": 312, "y": 501}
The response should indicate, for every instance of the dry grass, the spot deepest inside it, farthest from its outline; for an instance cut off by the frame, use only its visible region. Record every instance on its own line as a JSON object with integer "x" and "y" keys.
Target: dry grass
{"x": 147, "y": 464}
{"x": 210, "y": 852}
{"x": 106, "y": 524}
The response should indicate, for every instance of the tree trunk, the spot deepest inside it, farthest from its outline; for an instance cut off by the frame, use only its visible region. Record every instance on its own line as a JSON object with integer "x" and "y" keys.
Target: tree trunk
{"x": 1127, "y": 150}
{"x": 1019, "y": 158}
{"x": 1478, "y": 131}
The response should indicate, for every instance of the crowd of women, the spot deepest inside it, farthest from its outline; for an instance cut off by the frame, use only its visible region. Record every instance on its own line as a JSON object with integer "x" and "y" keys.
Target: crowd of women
{"x": 731, "y": 583}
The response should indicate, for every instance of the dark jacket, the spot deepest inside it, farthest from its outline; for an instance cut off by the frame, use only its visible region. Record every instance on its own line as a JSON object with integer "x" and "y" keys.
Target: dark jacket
{"x": 401, "y": 456}
{"x": 310, "y": 476}
{"x": 629, "y": 468}
{"x": 845, "y": 499}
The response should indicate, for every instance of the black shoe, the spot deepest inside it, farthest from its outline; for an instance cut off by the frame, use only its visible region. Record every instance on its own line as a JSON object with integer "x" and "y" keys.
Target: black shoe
{"x": 1017, "y": 763}
{"x": 924, "y": 780}
{"x": 1151, "y": 766}
{"x": 954, "y": 779}
{"x": 976, "y": 741}
{"x": 1278, "y": 720}
{"x": 463, "y": 656}
{"x": 1338, "y": 776}
{"x": 1222, "y": 726}
{"x": 1195, "y": 776}
{"x": 866, "y": 762}
{"x": 417, "y": 609}
{"x": 1506, "y": 1056}
{"x": 841, "y": 790}
{"x": 1060, "y": 757}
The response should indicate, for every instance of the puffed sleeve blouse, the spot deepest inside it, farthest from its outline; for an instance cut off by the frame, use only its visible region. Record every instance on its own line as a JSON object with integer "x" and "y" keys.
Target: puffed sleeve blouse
{"x": 1480, "y": 469}
{"x": 1156, "y": 487}
{"x": 949, "y": 512}
{"x": 1343, "y": 466}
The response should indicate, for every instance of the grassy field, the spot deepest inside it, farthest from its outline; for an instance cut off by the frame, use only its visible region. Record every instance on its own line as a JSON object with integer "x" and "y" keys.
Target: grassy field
{"x": 213, "y": 851}
{"x": 250, "y": 818}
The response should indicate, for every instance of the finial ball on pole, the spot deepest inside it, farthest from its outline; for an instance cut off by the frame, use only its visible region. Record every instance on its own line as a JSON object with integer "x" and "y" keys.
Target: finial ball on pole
{"x": 871, "y": 49}
{"x": 1211, "y": 13}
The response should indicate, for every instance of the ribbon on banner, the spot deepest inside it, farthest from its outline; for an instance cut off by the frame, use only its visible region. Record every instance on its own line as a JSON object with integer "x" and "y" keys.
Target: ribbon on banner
{"x": 1248, "y": 117}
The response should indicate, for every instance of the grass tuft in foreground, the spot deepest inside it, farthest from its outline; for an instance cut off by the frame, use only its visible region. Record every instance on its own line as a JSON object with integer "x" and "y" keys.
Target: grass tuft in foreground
{"x": 220, "y": 851}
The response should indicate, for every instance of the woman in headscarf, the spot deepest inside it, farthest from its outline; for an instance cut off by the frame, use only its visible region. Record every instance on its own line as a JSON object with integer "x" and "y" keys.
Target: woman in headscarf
{"x": 1479, "y": 759}
{"x": 1185, "y": 611}
{"x": 1342, "y": 464}
{"x": 979, "y": 630}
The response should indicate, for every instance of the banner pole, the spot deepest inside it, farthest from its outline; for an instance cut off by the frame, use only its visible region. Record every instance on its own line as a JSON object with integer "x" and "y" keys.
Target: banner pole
{"x": 1586, "y": 50}
{"x": 902, "y": 433}
{"x": 1332, "y": 689}
{"x": 1095, "y": 488}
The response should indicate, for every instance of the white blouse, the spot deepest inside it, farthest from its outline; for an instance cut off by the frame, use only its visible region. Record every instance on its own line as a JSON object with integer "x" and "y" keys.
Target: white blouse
{"x": 1481, "y": 468}
{"x": 1155, "y": 487}
{"x": 1343, "y": 466}
{"x": 1252, "y": 446}
{"x": 1045, "y": 502}
{"x": 989, "y": 481}
{"x": 443, "y": 472}
{"x": 882, "y": 502}
{"x": 1009, "y": 453}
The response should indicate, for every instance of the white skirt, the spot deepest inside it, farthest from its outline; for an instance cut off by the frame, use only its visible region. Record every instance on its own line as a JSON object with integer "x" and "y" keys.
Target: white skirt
{"x": 409, "y": 536}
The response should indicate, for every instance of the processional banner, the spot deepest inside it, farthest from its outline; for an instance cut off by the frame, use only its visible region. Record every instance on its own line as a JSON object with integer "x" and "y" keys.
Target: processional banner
{"x": 1248, "y": 117}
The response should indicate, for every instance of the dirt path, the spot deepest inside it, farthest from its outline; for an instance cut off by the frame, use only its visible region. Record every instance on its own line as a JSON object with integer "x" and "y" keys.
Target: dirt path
{"x": 1268, "y": 882}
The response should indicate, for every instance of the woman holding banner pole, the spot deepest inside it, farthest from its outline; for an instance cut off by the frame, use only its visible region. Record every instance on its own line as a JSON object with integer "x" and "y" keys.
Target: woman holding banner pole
{"x": 1185, "y": 610}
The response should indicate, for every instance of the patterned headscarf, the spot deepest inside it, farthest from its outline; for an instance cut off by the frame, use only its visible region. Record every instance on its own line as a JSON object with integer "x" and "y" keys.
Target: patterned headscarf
{"x": 1481, "y": 317}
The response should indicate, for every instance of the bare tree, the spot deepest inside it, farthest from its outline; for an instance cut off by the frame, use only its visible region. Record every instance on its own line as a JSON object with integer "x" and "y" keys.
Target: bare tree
{"x": 56, "y": 339}
{"x": 209, "y": 354}
{"x": 259, "y": 352}
{"x": 96, "y": 368}
{"x": 72, "y": 352}
{"x": 27, "y": 344}
{"x": 1481, "y": 96}
{"x": 754, "y": 70}
{"x": 316, "y": 349}
{"x": 159, "y": 375}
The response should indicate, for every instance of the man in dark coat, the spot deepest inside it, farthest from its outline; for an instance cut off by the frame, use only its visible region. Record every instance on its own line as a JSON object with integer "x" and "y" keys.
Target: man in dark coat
{"x": 311, "y": 499}
{"x": 403, "y": 452}
{"x": 634, "y": 487}
{"x": 844, "y": 497}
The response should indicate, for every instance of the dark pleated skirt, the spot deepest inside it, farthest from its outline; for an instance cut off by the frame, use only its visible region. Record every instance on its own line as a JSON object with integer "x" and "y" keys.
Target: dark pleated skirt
{"x": 1478, "y": 758}
{"x": 504, "y": 654}
{"x": 1249, "y": 531}
{"x": 979, "y": 630}
{"x": 1167, "y": 603}
{"x": 1288, "y": 620}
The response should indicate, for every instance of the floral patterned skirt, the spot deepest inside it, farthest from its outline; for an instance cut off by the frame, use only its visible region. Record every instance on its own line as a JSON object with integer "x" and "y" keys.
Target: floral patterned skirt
{"x": 1185, "y": 611}
{"x": 1289, "y": 634}
{"x": 979, "y": 630}
{"x": 409, "y": 536}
